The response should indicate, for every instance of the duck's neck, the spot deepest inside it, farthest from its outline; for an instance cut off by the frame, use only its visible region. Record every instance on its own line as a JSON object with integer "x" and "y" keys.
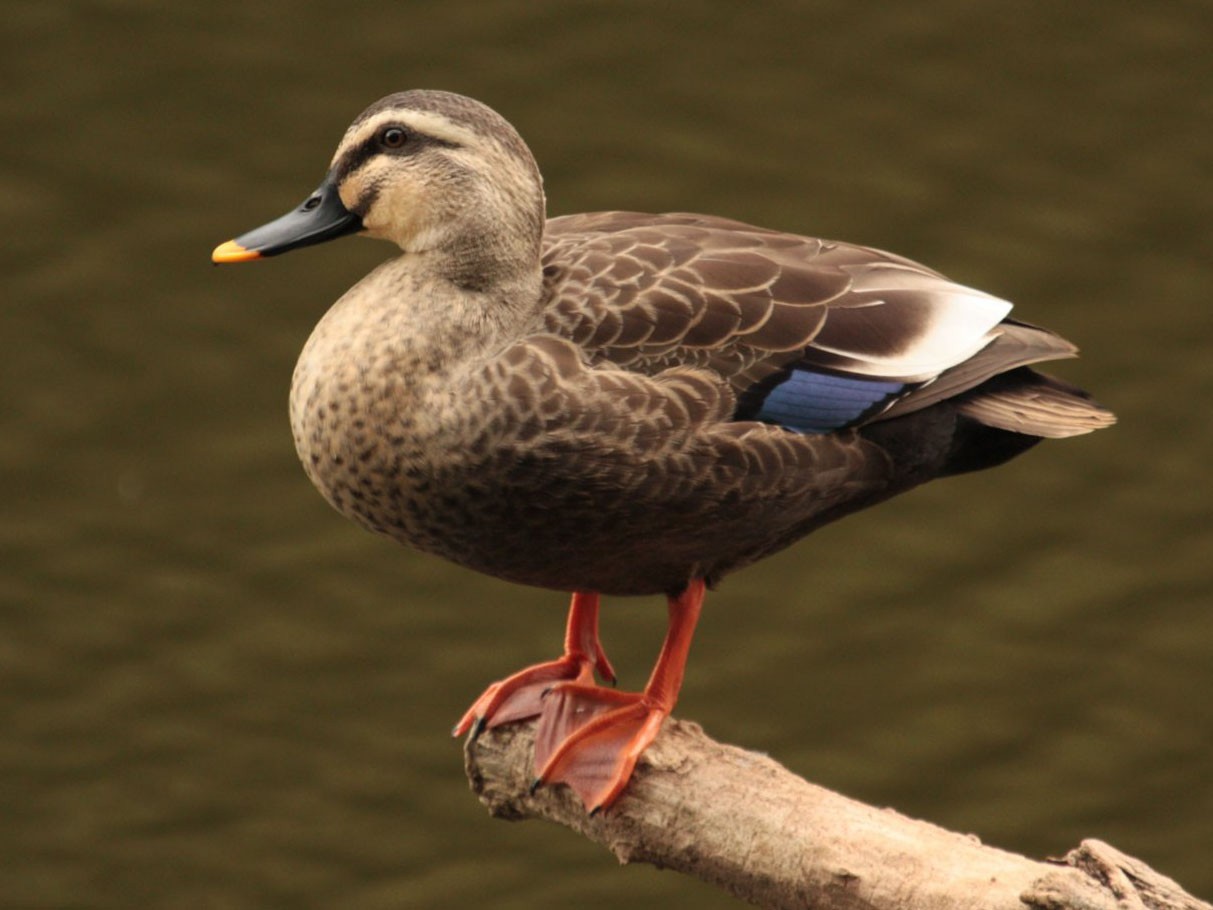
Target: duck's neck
{"x": 485, "y": 264}
{"x": 495, "y": 287}
{"x": 492, "y": 249}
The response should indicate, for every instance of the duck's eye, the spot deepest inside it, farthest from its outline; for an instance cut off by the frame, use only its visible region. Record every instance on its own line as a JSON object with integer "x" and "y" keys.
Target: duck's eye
{"x": 393, "y": 137}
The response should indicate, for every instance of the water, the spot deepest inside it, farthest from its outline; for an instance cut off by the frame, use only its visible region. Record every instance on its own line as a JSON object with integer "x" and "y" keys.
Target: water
{"x": 214, "y": 692}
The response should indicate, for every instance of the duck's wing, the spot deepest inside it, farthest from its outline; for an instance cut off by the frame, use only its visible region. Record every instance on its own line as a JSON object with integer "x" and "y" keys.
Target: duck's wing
{"x": 810, "y": 334}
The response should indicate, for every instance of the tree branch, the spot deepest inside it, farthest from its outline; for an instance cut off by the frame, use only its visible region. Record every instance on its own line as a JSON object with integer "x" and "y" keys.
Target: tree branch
{"x": 744, "y": 823}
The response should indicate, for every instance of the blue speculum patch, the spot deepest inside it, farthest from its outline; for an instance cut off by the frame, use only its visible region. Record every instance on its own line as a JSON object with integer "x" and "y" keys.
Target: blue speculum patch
{"x": 814, "y": 402}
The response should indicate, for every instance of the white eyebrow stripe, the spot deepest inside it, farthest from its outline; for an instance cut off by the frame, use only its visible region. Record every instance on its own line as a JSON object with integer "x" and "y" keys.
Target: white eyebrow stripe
{"x": 424, "y": 122}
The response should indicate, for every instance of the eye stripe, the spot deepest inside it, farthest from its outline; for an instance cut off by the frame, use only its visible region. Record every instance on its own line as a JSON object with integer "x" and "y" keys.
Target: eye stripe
{"x": 354, "y": 158}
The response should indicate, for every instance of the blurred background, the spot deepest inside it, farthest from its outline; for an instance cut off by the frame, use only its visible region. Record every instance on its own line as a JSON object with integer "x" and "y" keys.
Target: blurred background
{"x": 215, "y": 692}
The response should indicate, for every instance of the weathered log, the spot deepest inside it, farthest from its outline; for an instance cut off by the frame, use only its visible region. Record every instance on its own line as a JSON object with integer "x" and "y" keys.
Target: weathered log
{"x": 742, "y": 822}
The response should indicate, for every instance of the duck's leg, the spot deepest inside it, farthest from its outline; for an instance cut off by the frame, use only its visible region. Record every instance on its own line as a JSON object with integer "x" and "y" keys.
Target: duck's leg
{"x": 590, "y": 737}
{"x": 519, "y": 696}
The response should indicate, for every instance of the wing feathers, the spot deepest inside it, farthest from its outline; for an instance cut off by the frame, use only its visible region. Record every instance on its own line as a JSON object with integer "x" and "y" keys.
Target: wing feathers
{"x": 785, "y": 319}
{"x": 813, "y": 402}
{"x": 898, "y": 323}
{"x": 721, "y": 283}
{"x": 1014, "y": 344}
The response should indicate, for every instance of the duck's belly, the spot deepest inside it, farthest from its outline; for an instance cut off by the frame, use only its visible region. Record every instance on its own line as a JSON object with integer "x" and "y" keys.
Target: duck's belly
{"x": 528, "y": 516}
{"x": 493, "y": 511}
{"x": 534, "y": 515}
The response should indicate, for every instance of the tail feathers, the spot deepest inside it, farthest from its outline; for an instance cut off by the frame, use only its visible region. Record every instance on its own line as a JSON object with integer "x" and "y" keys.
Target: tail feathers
{"x": 1024, "y": 401}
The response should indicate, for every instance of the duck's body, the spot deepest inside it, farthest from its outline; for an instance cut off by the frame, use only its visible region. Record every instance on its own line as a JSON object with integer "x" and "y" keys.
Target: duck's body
{"x": 623, "y": 403}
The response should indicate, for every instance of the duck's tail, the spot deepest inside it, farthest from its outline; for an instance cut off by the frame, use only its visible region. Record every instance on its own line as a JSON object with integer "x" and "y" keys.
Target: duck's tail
{"x": 1024, "y": 401}
{"x": 1011, "y": 412}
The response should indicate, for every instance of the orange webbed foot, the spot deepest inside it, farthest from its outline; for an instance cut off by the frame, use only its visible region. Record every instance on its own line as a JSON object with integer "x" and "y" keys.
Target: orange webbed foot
{"x": 590, "y": 738}
{"x": 520, "y": 696}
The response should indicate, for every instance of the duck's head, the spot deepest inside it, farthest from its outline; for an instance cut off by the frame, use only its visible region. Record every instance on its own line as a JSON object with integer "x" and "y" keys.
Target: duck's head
{"x": 433, "y": 172}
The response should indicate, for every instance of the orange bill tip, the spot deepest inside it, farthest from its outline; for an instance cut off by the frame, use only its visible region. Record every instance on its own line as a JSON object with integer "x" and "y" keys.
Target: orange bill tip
{"x": 233, "y": 252}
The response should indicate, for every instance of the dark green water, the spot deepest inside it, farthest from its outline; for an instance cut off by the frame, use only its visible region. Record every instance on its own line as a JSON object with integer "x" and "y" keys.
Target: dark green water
{"x": 214, "y": 692}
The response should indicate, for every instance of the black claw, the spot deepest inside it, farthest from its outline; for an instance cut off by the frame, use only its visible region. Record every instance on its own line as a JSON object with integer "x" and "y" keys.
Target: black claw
{"x": 535, "y": 785}
{"x": 476, "y": 730}
{"x": 595, "y": 811}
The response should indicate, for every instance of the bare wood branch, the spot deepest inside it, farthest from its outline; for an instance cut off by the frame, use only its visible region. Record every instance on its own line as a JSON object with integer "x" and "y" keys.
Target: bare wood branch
{"x": 744, "y": 823}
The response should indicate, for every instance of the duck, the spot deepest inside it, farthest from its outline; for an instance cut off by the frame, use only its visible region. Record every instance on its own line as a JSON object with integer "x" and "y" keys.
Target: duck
{"x": 623, "y": 404}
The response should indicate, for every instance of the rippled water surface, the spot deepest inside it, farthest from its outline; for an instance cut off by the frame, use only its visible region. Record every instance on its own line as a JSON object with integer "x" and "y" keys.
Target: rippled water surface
{"x": 214, "y": 692}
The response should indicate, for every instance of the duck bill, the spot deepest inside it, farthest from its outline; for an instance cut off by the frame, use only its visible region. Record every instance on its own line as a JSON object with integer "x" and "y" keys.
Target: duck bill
{"x": 322, "y": 216}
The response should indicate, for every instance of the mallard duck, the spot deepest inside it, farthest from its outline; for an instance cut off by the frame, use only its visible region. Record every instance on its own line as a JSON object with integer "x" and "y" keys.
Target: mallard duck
{"x": 621, "y": 403}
